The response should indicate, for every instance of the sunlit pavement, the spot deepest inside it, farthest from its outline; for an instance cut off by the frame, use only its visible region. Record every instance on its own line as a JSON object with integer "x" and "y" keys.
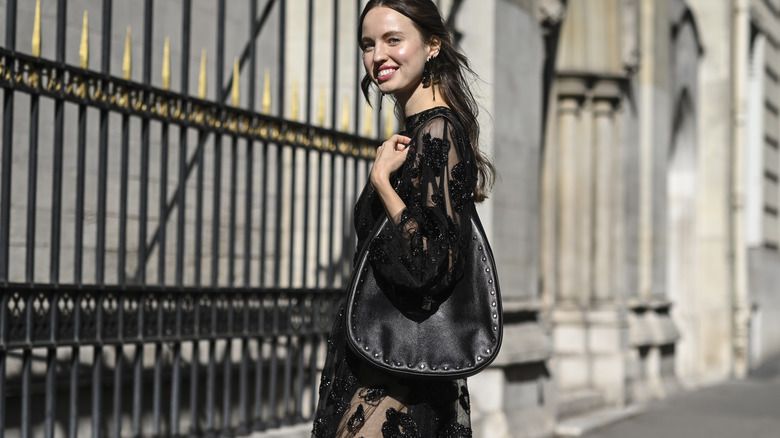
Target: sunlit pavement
{"x": 739, "y": 409}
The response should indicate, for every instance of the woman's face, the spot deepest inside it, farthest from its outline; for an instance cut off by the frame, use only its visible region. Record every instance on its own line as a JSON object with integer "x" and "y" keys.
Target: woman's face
{"x": 394, "y": 53}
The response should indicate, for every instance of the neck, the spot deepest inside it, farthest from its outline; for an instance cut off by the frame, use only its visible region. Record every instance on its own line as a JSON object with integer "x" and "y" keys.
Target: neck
{"x": 420, "y": 100}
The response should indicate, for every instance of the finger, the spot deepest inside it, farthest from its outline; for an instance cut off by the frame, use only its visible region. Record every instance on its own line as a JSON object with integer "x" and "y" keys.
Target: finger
{"x": 398, "y": 138}
{"x": 400, "y": 142}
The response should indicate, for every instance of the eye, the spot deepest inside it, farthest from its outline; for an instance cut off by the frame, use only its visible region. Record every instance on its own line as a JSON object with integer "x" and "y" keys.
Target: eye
{"x": 394, "y": 40}
{"x": 367, "y": 46}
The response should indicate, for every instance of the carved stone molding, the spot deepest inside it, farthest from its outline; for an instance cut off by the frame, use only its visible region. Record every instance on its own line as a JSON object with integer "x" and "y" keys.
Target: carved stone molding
{"x": 550, "y": 13}
{"x": 580, "y": 85}
{"x": 630, "y": 25}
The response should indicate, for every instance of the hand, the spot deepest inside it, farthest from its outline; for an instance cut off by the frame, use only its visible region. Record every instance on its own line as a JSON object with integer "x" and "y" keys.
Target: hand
{"x": 390, "y": 156}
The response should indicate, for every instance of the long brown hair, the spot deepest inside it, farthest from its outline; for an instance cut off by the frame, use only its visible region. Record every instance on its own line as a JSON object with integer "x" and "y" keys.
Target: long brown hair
{"x": 451, "y": 69}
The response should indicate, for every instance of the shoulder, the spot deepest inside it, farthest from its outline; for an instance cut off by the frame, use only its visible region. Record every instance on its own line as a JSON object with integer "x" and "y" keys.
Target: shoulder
{"x": 442, "y": 132}
{"x": 441, "y": 122}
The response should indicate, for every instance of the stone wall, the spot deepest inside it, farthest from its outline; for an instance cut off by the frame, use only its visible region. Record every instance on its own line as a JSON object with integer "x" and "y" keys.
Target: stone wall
{"x": 505, "y": 45}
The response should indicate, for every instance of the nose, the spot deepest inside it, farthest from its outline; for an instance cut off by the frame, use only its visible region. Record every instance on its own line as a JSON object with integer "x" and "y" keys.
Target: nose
{"x": 379, "y": 53}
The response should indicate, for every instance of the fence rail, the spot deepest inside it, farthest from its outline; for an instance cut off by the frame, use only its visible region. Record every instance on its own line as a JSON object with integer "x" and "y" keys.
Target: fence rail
{"x": 170, "y": 262}
{"x": 152, "y": 351}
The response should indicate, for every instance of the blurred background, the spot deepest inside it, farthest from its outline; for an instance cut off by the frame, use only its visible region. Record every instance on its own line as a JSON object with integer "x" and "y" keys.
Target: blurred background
{"x": 177, "y": 182}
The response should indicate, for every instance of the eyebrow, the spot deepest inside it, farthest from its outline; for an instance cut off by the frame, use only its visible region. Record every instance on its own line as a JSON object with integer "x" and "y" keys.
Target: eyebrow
{"x": 385, "y": 35}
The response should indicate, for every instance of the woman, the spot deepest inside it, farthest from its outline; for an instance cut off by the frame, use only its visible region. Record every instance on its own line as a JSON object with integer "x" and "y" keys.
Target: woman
{"x": 422, "y": 179}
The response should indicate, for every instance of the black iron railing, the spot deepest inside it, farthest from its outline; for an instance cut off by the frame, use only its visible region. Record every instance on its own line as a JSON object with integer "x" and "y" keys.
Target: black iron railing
{"x": 179, "y": 271}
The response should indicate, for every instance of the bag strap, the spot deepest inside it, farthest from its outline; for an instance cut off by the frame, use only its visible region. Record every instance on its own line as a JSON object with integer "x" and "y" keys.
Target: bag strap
{"x": 371, "y": 236}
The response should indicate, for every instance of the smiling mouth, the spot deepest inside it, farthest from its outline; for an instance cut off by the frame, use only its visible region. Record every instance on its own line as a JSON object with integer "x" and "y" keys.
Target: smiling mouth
{"x": 385, "y": 74}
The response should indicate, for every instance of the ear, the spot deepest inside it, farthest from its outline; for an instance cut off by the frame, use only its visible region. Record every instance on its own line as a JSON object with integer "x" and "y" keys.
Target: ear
{"x": 434, "y": 45}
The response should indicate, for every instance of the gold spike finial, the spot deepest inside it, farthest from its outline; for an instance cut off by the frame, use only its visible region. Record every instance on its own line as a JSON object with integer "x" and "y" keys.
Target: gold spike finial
{"x": 166, "y": 67}
{"x": 36, "y": 38}
{"x": 345, "y": 115}
{"x": 202, "y": 76}
{"x": 321, "y": 108}
{"x": 389, "y": 124}
{"x": 367, "y": 123}
{"x": 127, "y": 61}
{"x": 294, "y": 106}
{"x": 236, "y": 77}
{"x": 84, "y": 47}
{"x": 267, "y": 93}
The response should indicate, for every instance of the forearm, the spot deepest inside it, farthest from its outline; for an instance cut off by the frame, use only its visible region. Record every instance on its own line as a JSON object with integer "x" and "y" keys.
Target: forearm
{"x": 389, "y": 158}
{"x": 393, "y": 203}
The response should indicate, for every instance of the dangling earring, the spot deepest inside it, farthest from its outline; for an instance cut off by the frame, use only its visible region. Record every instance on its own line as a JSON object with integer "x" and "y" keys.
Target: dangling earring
{"x": 428, "y": 75}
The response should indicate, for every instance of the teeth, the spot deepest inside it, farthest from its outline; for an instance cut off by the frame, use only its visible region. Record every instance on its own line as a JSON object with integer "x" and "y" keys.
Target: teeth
{"x": 385, "y": 72}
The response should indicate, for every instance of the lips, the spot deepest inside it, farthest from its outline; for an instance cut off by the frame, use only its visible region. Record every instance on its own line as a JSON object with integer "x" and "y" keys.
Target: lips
{"x": 385, "y": 72}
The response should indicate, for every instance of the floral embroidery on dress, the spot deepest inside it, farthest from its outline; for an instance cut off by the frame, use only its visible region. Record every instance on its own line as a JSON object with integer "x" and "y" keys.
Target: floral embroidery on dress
{"x": 399, "y": 425}
{"x": 356, "y": 421}
{"x": 456, "y": 430}
{"x": 372, "y": 396}
{"x": 435, "y": 151}
{"x": 461, "y": 187}
{"x": 465, "y": 399}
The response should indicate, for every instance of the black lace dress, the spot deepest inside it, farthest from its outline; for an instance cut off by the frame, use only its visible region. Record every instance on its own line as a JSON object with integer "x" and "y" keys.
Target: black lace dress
{"x": 421, "y": 255}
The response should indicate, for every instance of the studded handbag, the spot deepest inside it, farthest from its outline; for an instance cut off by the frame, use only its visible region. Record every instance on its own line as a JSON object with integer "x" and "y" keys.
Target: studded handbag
{"x": 452, "y": 335}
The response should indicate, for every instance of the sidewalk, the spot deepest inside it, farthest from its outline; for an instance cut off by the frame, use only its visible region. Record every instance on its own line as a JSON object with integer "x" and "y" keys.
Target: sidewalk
{"x": 737, "y": 409}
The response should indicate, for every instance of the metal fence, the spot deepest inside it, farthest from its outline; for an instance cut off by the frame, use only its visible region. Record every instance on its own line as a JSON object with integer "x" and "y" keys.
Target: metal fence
{"x": 170, "y": 263}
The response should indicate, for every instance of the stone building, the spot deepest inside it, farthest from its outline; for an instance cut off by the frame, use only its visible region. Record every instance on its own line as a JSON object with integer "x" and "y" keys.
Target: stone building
{"x": 648, "y": 130}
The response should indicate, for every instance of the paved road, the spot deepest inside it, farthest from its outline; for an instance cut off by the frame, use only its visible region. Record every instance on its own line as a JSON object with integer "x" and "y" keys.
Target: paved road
{"x": 741, "y": 409}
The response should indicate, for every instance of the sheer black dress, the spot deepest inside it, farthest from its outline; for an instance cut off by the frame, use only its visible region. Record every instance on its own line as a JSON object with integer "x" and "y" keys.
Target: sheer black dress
{"x": 420, "y": 254}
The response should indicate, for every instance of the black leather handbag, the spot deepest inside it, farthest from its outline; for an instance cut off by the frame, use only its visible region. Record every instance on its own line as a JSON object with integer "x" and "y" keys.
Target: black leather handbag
{"x": 454, "y": 335}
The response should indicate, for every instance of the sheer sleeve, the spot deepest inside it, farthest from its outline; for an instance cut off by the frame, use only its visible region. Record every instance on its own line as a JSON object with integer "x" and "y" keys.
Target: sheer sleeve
{"x": 420, "y": 252}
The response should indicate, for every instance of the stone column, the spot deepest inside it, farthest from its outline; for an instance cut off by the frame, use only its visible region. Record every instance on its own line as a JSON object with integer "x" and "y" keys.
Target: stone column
{"x": 604, "y": 202}
{"x": 590, "y": 326}
{"x": 583, "y": 154}
{"x": 568, "y": 136}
